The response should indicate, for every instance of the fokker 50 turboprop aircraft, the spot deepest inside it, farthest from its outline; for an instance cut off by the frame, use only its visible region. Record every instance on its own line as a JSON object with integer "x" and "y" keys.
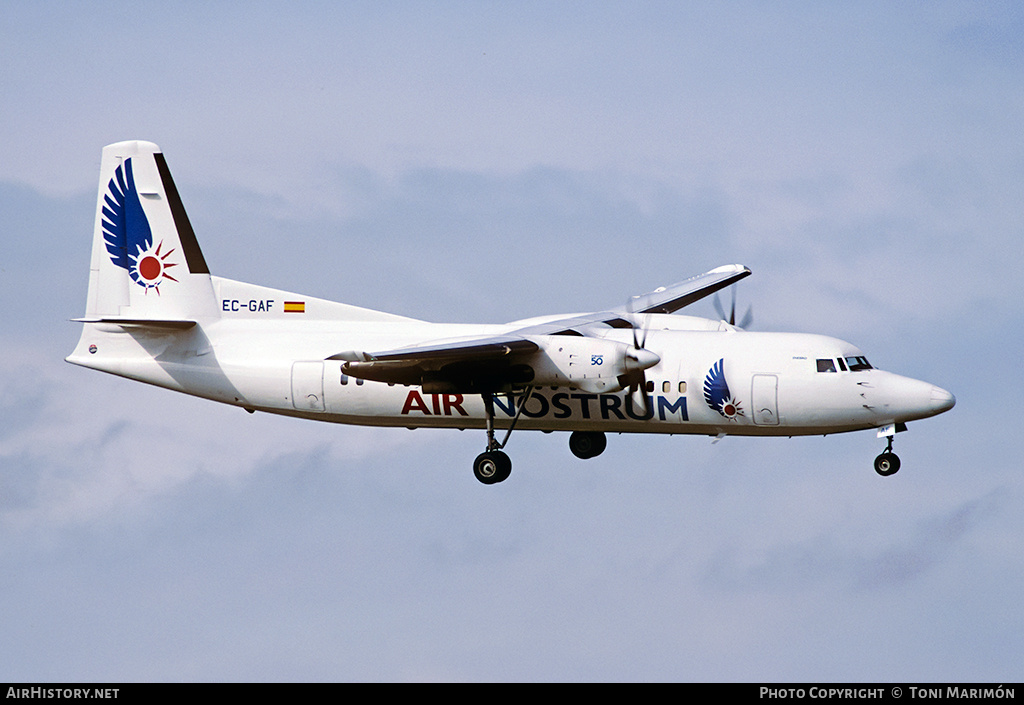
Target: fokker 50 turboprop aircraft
{"x": 155, "y": 314}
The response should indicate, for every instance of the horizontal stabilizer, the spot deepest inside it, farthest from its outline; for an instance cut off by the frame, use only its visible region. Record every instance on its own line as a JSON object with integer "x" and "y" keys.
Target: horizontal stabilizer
{"x": 157, "y": 324}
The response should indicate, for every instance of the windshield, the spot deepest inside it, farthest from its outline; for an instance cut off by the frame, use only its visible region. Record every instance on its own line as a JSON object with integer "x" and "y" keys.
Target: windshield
{"x": 858, "y": 363}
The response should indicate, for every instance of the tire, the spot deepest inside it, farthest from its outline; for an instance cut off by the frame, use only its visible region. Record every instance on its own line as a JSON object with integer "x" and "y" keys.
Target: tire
{"x": 887, "y": 464}
{"x": 492, "y": 467}
{"x": 587, "y": 444}
{"x": 504, "y": 465}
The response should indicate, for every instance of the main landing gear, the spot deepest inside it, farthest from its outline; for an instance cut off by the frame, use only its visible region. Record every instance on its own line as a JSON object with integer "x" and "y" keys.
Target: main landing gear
{"x": 587, "y": 444}
{"x": 888, "y": 463}
{"x": 493, "y": 465}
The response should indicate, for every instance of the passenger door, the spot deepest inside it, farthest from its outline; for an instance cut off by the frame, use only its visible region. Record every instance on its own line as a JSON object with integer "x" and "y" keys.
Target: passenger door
{"x": 764, "y": 399}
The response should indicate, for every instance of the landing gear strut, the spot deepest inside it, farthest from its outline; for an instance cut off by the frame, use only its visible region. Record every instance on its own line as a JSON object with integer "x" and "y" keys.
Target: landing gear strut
{"x": 888, "y": 463}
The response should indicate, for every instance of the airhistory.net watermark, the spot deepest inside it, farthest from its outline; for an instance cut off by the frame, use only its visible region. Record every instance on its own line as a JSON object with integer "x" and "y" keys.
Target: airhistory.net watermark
{"x": 42, "y": 693}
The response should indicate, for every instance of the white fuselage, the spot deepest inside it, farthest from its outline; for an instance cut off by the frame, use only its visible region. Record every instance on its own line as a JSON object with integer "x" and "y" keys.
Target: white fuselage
{"x": 271, "y": 363}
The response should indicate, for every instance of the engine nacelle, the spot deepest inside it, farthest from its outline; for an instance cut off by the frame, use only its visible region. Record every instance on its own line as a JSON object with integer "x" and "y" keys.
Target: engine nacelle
{"x": 592, "y": 365}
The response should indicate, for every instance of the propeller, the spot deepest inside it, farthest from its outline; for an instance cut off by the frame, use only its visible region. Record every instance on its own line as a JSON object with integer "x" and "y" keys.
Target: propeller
{"x": 748, "y": 317}
{"x": 637, "y": 361}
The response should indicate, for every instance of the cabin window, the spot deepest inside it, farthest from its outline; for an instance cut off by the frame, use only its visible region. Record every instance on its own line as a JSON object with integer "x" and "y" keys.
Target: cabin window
{"x": 858, "y": 363}
{"x": 826, "y": 365}
{"x": 666, "y": 387}
{"x": 344, "y": 379}
{"x": 650, "y": 387}
{"x": 682, "y": 387}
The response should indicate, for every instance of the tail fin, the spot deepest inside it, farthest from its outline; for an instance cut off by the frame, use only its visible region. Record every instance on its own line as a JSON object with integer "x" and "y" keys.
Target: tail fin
{"x": 146, "y": 262}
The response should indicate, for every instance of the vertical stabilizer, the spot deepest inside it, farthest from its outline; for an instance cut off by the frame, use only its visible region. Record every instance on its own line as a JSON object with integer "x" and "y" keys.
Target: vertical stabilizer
{"x": 146, "y": 262}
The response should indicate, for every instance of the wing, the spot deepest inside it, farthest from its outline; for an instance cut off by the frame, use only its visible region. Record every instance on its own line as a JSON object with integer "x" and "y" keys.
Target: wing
{"x": 672, "y": 298}
{"x": 463, "y": 365}
{"x": 499, "y": 363}
{"x": 666, "y": 299}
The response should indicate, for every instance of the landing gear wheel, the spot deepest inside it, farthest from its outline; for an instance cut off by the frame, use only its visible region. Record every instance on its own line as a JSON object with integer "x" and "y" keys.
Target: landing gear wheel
{"x": 492, "y": 467}
{"x": 587, "y": 444}
{"x": 887, "y": 464}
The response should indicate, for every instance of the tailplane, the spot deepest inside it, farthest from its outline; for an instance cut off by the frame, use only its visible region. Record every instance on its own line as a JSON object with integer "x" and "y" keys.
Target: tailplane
{"x": 147, "y": 268}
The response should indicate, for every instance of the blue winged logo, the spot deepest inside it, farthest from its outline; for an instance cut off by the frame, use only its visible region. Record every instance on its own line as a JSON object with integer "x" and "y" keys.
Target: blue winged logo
{"x": 717, "y": 395}
{"x": 127, "y": 234}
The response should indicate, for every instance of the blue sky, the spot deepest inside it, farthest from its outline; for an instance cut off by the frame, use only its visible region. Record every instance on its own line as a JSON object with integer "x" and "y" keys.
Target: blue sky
{"x": 480, "y": 162}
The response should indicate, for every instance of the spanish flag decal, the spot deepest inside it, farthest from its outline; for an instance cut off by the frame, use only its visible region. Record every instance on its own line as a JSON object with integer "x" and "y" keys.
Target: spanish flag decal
{"x": 294, "y": 306}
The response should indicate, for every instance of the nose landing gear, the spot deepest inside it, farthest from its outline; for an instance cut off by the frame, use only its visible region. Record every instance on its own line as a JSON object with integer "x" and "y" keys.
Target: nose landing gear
{"x": 888, "y": 463}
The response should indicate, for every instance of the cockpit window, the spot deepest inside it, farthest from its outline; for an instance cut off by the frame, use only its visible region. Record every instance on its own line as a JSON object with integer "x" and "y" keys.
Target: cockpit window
{"x": 858, "y": 363}
{"x": 826, "y": 366}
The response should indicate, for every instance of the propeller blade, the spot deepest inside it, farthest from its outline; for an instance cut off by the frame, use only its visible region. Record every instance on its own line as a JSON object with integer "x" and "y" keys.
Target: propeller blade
{"x": 718, "y": 308}
{"x": 638, "y": 343}
{"x": 637, "y": 361}
{"x": 638, "y": 396}
{"x": 730, "y": 318}
{"x": 748, "y": 317}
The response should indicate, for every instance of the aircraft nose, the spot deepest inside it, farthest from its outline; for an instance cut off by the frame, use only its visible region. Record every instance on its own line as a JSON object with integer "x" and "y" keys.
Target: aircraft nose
{"x": 907, "y": 399}
{"x": 942, "y": 400}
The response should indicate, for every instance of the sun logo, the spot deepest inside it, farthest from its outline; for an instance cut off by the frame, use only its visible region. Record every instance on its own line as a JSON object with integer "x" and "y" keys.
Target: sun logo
{"x": 127, "y": 234}
{"x": 149, "y": 268}
{"x": 717, "y": 395}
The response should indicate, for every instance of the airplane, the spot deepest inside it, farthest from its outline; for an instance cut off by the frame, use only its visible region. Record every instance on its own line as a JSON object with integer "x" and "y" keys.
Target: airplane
{"x": 156, "y": 314}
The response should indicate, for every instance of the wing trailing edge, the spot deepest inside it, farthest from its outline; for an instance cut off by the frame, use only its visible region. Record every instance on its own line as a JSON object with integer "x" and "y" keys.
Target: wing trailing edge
{"x": 475, "y": 365}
